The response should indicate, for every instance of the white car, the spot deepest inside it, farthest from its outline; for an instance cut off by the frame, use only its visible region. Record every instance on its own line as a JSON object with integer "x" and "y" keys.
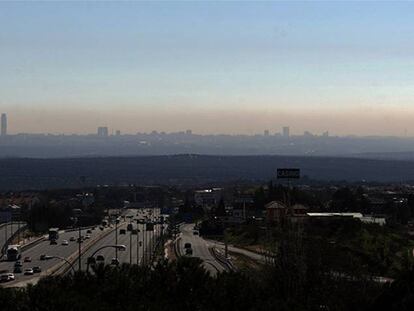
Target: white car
{"x": 87, "y": 236}
{"x": 28, "y": 271}
{"x": 11, "y": 276}
{"x": 65, "y": 242}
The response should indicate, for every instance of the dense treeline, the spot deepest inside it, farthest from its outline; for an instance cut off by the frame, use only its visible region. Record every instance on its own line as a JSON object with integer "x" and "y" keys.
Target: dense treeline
{"x": 185, "y": 285}
{"x": 189, "y": 169}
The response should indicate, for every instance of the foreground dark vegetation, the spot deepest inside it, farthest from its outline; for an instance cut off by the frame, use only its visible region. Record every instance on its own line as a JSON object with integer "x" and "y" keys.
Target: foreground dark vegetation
{"x": 185, "y": 285}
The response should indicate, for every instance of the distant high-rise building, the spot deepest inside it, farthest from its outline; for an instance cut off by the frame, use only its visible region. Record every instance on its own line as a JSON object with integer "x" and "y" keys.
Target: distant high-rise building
{"x": 325, "y": 134}
{"x": 118, "y": 133}
{"x": 286, "y": 131}
{"x": 189, "y": 132}
{"x": 307, "y": 134}
{"x": 266, "y": 133}
{"x": 3, "y": 124}
{"x": 103, "y": 131}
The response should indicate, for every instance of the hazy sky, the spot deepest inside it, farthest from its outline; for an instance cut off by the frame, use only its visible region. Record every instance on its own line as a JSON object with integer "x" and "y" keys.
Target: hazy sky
{"x": 210, "y": 66}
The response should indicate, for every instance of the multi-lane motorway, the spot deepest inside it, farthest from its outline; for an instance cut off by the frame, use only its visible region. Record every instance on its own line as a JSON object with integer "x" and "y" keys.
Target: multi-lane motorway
{"x": 200, "y": 247}
{"x": 45, "y": 248}
{"x": 141, "y": 243}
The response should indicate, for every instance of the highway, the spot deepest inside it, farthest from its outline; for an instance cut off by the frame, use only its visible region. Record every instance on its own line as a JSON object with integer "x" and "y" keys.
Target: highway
{"x": 200, "y": 249}
{"x": 97, "y": 240}
{"x": 45, "y": 248}
{"x": 131, "y": 241}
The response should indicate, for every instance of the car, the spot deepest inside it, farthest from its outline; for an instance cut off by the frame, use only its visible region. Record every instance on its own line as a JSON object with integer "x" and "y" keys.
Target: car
{"x": 17, "y": 269}
{"x": 37, "y": 269}
{"x": 187, "y": 245}
{"x": 122, "y": 231}
{"x": 100, "y": 259}
{"x": 28, "y": 271}
{"x": 11, "y": 276}
{"x": 65, "y": 242}
{"x": 79, "y": 240}
{"x": 45, "y": 257}
{"x": 53, "y": 242}
{"x": 87, "y": 237}
{"x": 89, "y": 231}
{"x": 188, "y": 251}
{"x": 18, "y": 264}
{"x": 114, "y": 261}
{"x": 129, "y": 227}
{"x": 91, "y": 260}
{"x": 27, "y": 259}
{"x": 195, "y": 232}
{"x": 72, "y": 239}
{"x": 4, "y": 277}
{"x": 101, "y": 228}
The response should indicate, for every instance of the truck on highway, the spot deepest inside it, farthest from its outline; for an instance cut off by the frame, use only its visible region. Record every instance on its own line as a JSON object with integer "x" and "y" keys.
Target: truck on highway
{"x": 13, "y": 253}
{"x": 53, "y": 234}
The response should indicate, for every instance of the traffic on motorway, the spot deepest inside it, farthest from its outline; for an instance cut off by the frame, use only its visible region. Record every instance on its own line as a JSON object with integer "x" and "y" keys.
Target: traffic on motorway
{"x": 191, "y": 244}
{"x": 127, "y": 239}
{"x": 133, "y": 234}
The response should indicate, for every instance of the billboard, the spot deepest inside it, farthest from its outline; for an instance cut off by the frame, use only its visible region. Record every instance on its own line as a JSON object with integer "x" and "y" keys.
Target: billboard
{"x": 288, "y": 173}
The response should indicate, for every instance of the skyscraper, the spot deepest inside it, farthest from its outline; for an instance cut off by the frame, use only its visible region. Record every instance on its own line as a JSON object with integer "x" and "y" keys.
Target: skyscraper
{"x": 266, "y": 133}
{"x": 3, "y": 124}
{"x": 286, "y": 131}
{"x": 103, "y": 131}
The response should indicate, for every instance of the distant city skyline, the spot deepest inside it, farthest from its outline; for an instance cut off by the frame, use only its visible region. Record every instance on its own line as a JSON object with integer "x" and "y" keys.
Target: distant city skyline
{"x": 213, "y": 67}
{"x": 105, "y": 131}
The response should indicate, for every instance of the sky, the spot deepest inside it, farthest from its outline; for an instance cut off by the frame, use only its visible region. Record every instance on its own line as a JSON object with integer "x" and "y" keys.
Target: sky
{"x": 213, "y": 67}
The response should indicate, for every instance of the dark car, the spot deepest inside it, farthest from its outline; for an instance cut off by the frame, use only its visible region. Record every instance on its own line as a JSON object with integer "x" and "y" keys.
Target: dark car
{"x": 37, "y": 270}
{"x": 188, "y": 251}
{"x": 187, "y": 245}
{"x": 18, "y": 264}
{"x": 17, "y": 269}
{"x": 100, "y": 258}
{"x": 91, "y": 260}
{"x": 122, "y": 231}
{"x": 53, "y": 242}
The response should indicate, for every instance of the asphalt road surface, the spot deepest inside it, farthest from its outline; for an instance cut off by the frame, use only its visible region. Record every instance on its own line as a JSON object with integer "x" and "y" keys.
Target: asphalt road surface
{"x": 45, "y": 248}
{"x": 134, "y": 243}
{"x": 200, "y": 249}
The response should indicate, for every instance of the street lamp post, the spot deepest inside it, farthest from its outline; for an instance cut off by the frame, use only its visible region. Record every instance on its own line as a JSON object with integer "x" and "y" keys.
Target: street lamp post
{"x": 117, "y": 247}
{"x": 138, "y": 243}
{"x": 130, "y": 243}
{"x": 116, "y": 236}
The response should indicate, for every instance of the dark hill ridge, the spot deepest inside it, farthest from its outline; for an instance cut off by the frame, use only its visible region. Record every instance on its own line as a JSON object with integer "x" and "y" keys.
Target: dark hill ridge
{"x": 21, "y": 173}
